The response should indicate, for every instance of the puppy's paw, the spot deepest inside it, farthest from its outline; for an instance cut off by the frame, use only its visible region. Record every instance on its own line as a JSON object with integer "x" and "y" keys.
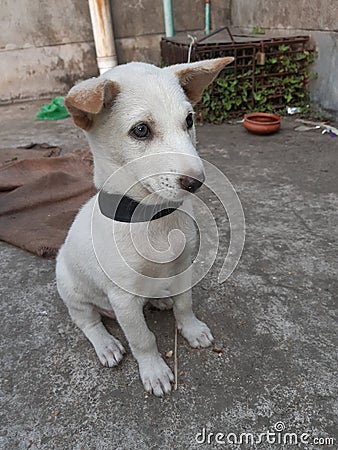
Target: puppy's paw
{"x": 156, "y": 376}
{"x": 197, "y": 333}
{"x": 110, "y": 351}
{"x": 162, "y": 303}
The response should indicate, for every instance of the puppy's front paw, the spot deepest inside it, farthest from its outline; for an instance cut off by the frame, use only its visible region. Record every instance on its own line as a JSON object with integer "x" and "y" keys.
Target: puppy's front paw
{"x": 197, "y": 333}
{"x": 156, "y": 376}
{"x": 110, "y": 351}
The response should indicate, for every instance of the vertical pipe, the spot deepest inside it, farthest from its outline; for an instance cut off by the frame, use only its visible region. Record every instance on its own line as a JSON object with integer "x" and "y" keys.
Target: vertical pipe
{"x": 103, "y": 34}
{"x": 207, "y": 17}
{"x": 168, "y": 18}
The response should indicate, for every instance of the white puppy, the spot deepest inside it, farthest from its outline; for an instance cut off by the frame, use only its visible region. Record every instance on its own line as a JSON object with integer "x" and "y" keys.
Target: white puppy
{"x": 136, "y": 112}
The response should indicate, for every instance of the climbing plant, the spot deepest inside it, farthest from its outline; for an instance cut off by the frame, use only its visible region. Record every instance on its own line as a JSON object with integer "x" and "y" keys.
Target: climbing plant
{"x": 282, "y": 80}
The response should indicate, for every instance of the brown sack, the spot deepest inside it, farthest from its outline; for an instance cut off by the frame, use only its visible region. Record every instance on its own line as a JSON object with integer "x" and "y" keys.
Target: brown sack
{"x": 40, "y": 196}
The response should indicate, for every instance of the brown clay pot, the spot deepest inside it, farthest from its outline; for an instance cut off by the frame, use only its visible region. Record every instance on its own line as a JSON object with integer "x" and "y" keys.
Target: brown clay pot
{"x": 262, "y": 123}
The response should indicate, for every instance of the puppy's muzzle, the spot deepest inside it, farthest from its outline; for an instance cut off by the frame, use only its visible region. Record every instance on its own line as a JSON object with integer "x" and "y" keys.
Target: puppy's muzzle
{"x": 191, "y": 184}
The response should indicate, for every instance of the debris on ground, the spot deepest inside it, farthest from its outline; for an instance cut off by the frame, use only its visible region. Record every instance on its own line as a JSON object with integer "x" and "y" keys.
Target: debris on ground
{"x": 217, "y": 350}
{"x": 309, "y": 125}
{"x": 293, "y": 110}
{"x": 55, "y": 110}
{"x": 306, "y": 128}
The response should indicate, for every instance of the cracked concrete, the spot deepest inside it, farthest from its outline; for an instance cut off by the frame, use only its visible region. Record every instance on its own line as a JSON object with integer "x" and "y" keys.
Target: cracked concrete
{"x": 275, "y": 318}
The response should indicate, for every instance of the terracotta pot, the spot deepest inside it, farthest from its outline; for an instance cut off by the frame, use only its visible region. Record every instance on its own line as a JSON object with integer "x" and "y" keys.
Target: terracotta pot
{"x": 262, "y": 123}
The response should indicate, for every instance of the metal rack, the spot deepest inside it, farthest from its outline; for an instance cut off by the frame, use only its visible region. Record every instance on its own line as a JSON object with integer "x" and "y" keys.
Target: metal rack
{"x": 250, "y": 52}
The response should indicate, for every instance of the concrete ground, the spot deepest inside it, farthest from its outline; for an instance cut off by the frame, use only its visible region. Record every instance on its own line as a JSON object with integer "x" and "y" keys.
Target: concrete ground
{"x": 275, "y": 318}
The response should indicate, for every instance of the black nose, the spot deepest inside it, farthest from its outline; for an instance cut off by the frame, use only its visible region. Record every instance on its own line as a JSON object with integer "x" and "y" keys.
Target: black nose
{"x": 191, "y": 184}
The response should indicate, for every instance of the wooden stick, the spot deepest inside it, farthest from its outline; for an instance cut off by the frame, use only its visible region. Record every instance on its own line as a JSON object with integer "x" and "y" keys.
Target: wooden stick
{"x": 175, "y": 360}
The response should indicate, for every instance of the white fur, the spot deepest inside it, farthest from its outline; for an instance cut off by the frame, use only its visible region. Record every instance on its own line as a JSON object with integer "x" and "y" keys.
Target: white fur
{"x": 150, "y": 94}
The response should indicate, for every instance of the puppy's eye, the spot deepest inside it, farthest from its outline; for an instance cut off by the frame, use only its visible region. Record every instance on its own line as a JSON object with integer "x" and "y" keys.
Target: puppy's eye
{"x": 141, "y": 131}
{"x": 189, "y": 121}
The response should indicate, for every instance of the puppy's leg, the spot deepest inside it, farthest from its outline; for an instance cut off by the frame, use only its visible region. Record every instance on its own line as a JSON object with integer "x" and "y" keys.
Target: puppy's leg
{"x": 154, "y": 372}
{"x": 109, "y": 349}
{"x": 87, "y": 318}
{"x": 193, "y": 330}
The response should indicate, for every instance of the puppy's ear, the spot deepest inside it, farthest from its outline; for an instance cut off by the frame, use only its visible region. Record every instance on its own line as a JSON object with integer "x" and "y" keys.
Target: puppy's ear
{"x": 195, "y": 77}
{"x": 89, "y": 98}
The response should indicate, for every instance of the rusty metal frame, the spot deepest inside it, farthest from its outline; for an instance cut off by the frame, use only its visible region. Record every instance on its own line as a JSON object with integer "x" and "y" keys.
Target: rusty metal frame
{"x": 245, "y": 54}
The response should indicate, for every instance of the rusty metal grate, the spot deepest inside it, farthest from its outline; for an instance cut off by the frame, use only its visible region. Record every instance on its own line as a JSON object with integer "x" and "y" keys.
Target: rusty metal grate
{"x": 250, "y": 52}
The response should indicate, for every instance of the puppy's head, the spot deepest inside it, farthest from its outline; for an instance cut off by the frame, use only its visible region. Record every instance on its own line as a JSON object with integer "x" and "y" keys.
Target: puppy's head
{"x": 137, "y": 110}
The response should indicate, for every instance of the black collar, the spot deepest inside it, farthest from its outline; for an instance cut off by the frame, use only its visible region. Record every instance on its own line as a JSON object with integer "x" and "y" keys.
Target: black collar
{"x": 124, "y": 209}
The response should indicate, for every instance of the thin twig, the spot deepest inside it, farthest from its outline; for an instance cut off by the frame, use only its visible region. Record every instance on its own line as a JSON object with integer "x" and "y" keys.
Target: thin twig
{"x": 175, "y": 360}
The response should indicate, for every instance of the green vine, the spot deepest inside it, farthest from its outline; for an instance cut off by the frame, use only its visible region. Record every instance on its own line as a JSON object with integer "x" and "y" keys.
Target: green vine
{"x": 282, "y": 80}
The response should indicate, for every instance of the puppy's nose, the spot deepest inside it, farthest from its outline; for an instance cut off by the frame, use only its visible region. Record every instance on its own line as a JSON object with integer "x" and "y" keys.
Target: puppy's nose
{"x": 191, "y": 184}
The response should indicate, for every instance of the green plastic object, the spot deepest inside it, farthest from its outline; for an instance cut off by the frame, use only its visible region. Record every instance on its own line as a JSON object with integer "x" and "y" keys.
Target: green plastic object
{"x": 55, "y": 110}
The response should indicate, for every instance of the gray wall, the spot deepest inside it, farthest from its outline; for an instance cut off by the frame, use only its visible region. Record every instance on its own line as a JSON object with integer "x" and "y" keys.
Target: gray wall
{"x": 319, "y": 18}
{"x": 286, "y": 14}
{"x": 139, "y": 25}
{"x": 47, "y": 46}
